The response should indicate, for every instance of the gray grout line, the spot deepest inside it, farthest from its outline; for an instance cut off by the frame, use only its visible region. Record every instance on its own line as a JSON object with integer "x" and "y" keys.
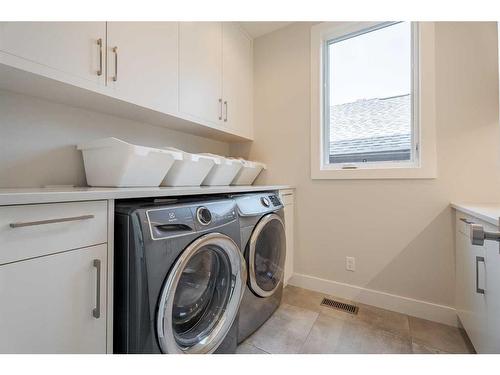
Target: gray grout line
{"x": 301, "y": 350}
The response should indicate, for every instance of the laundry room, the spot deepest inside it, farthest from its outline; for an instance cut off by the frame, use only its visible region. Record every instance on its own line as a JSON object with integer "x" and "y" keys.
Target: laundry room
{"x": 253, "y": 181}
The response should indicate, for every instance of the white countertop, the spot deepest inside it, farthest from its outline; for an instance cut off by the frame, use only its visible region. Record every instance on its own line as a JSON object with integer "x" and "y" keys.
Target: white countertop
{"x": 52, "y": 195}
{"x": 489, "y": 212}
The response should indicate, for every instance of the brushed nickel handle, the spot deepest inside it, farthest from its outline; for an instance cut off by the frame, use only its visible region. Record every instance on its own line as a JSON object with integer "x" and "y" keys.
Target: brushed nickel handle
{"x": 220, "y": 108}
{"x": 225, "y": 115}
{"x": 96, "y": 312}
{"x": 50, "y": 221}
{"x": 478, "y": 289}
{"x": 115, "y": 51}
{"x": 99, "y": 43}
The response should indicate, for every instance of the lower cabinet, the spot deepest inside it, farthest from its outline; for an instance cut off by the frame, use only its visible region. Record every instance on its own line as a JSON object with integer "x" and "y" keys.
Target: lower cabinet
{"x": 287, "y": 197}
{"x": 55, "y": 303}
{"x": 477, "y": 291}
{"x": 54, "y": 285}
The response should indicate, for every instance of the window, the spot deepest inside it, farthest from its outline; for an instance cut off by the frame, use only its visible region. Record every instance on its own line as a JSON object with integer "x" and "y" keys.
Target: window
{"x": 368, "y": 100}
{"x": 365, "y": 99}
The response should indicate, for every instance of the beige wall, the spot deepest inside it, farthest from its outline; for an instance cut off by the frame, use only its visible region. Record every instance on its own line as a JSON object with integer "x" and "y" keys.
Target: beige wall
{"x": 38, "y": 138}
{"x": 400, "y": 231}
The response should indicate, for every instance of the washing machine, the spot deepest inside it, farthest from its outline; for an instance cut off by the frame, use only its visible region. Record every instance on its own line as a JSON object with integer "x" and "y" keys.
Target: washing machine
{"x": 263, "y": 242}
{"x": 179, "y": 276}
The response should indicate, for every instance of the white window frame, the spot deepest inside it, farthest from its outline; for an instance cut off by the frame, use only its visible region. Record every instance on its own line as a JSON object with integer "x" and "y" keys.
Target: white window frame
{"x": 423, "y": 114}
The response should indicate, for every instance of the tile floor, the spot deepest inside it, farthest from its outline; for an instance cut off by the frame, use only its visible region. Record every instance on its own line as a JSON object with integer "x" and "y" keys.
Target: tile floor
{"x": 301, "y": 325}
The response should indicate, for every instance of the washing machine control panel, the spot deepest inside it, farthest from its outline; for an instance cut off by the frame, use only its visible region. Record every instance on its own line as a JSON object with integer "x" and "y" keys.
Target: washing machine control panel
{"x": 176, "y": 220}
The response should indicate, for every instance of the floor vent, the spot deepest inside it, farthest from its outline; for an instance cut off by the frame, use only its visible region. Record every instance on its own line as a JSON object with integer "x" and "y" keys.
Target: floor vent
{"x": 346, "y": 307}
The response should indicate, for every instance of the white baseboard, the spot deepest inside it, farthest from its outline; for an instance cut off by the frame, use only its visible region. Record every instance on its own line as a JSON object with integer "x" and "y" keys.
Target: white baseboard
{"x": 418, "y": 308}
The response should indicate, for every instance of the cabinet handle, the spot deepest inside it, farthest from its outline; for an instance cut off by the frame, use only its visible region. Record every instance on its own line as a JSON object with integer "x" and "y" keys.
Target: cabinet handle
{"x": 466, "y": 221}
{"x": 99, "y": 43}
{"x": 50, "y": 221}
{"x": 478, "y": 289}
{"x": 96, "y": 313}
{"x": 115, "y": 51}
{"x": 220, "y": 109}
{"x": 225, "y": 107}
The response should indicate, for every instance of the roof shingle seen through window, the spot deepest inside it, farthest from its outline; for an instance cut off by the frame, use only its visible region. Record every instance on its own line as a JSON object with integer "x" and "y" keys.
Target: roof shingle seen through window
{"x": 371, "y": 125}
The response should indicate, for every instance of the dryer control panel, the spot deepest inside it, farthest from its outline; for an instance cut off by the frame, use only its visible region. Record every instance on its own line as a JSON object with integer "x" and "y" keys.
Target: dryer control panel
{"x": 258, "y": 203}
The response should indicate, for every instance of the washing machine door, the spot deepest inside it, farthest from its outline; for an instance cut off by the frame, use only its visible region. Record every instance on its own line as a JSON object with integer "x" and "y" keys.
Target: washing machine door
{"x": 266, "y": 255}
{"x": 201, "y": 296}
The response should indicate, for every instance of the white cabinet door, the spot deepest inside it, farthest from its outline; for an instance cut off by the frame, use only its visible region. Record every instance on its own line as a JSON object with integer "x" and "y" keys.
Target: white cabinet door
{"x": 237, "y": 82}
{"x": 470, "y": 304}
{"x": 143, "y": 63}
{"x": 476, "y": 301}
{"x": 68, "y": 47}
{"x": 491, "y": 323}
{"x": 461, "y": 292}
{"x": 200, "y": 71}
{"x": 477, "y": 295}
{"x": 287, "y": 198}
{"x": 48, "y": 303}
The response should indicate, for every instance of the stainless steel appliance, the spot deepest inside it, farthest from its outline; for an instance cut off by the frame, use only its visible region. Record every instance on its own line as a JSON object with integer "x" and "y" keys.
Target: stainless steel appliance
{"x": 263, "y": 242}
{"x": 179, "y": 276}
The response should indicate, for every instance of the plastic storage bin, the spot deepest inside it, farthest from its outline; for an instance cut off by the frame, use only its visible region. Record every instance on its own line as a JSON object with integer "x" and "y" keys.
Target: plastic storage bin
{"x": 112, "y": 162}
{"x": 191, "y": 170}
{"x": 223, "y": 172}
{"x": 248, "y": 173}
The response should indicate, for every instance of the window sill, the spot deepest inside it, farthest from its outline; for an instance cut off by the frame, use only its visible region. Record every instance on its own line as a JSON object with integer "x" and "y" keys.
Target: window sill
{"x": 374, "y": 173}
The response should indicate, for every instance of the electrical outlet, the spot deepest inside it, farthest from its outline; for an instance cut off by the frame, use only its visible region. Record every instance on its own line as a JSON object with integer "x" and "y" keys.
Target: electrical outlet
{"x": 350, "y": 264}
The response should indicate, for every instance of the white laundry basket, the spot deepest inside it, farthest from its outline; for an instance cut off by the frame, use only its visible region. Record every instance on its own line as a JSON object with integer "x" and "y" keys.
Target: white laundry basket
{"x": 191, "y": 170}
{"x": 223, "y": 172}
{"x": 248, "y": 173}
{"x": 111, "y": 162}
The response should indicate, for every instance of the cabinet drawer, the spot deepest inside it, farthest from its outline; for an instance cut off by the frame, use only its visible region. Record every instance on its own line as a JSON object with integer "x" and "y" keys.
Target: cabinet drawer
{"x": 463, "y": 220}
{"x": 286, "y": 197}
{"x": 33, "y": 230}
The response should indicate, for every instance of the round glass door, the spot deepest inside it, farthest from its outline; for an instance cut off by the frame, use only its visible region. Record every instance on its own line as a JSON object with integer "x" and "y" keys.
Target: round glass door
{"x": 266, "y": 255}
{"x": 201, "y": 296}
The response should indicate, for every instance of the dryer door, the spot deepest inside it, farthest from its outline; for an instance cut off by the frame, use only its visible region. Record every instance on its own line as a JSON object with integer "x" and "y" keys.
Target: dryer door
{"x": 201, "y": 296}
{"x": 266, "y": 255}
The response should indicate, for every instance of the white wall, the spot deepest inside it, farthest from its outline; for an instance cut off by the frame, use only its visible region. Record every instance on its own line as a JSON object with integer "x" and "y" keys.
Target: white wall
{"x": 38, "y": 138}
{"x": 400, "y": 231}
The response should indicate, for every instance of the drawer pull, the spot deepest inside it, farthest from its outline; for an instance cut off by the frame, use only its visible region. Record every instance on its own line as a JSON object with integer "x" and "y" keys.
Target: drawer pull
{"x": 50, "y": 221}
{"x": 96, "y": 313}
{"x": 466, "y": 221}
{"x": 478, "y": 289}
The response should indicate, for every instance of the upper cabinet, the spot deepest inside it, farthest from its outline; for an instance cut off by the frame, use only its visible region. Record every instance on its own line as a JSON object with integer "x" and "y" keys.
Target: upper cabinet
{"x": 142, "y": 60}
{"x": 237, "y": 79}
{"x": 75, "y": 50}
{"x": 200, "y": 70}
{"x": 190, "y": 76}
{"x": 216, "y": 75}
